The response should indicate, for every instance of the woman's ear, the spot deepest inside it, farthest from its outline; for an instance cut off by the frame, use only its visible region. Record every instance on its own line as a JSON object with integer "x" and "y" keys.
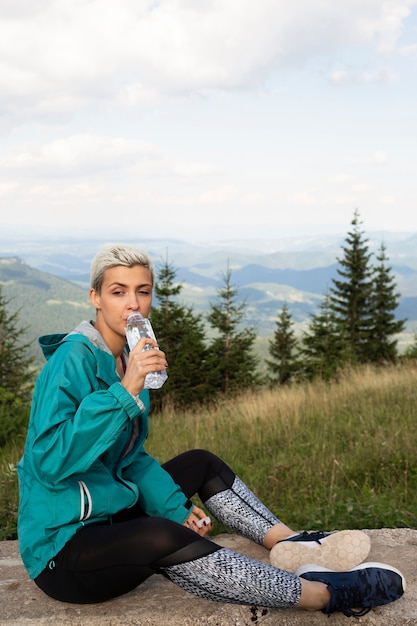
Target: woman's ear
{"x": 94, "y": 298}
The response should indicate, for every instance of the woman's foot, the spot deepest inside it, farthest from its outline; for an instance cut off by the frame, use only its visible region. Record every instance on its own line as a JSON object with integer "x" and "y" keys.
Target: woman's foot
{"x": 355, "y": 592}
{"x": 339, "y": 551}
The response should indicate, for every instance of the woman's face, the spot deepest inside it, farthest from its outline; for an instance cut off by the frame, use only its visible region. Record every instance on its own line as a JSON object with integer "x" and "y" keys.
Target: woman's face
{"x": 124, "y": 290}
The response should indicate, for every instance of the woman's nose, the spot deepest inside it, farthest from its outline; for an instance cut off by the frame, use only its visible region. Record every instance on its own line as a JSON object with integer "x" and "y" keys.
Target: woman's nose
{"x": 134, "y": 303}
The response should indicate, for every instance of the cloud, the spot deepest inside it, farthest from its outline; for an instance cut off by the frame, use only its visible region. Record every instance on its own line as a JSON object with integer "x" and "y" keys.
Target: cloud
{"x": 8, "y": 188}
{"x": 83, "y": 155}
{"x": 304, "y": 198}
{"x": 388, "y": 200}
{"x": 344, "y": 77}
{"x": 341, "y": 179}
{"x": 378, "y": 157}
{"x": 409, "y": 51}
{"x": 61, "y": 57}
{"x": 208, "y": 110}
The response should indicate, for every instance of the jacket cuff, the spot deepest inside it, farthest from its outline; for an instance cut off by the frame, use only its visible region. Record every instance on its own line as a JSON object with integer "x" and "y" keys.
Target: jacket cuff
{"x": 138, "y": 402}
{"x": 131, "y": 403}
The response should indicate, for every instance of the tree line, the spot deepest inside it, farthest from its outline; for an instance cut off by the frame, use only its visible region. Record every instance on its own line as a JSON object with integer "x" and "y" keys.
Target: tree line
{"x": 355, "y": 324}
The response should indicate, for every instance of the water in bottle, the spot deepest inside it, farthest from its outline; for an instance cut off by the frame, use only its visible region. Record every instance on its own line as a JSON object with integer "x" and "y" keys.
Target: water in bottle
{"x": 137, "y": 327}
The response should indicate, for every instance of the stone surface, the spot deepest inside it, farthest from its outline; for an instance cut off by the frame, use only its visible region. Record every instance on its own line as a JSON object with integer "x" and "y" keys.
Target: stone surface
{"x": 160, "y": 603}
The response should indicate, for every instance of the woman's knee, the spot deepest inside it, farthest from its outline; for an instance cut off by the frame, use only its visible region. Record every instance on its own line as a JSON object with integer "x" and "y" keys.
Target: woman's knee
{"x": 200, "y": 471}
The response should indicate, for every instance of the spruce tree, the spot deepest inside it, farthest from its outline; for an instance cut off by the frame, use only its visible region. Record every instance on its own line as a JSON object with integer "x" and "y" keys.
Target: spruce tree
{"x": 231, "y": 365}
{"x": 384, "y": 325}
{"x": 283, "y": 363}
{"x": 16, "y": 374}
{"x": 180, "y": 333}
{"x": 351, "y": 294}
{"x": 323, "y": 347}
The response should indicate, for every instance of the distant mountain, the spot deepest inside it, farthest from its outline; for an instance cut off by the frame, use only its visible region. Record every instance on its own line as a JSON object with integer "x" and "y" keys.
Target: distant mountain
{"x": 48, "y": 280}
{"x": 316, "y": 280}
{"x": 407, "y": 309}
{"x": 72, "y": 256}
{"x": 49, "y": 304}
{"x": 46, "y": 303}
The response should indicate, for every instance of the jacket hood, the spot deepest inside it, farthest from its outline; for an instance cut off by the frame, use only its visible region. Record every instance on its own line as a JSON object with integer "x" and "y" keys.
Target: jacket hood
{"x": 50, "y": 343}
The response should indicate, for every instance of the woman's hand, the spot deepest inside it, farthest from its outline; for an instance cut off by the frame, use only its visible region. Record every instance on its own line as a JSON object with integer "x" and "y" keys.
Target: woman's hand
{"x": 198, "y": 522}
{"x": 142, "y": 362}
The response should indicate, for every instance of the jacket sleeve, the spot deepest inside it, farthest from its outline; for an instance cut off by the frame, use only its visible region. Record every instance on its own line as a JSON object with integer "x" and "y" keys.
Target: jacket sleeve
{"x": 159, "y": 495}
{"x": 74, "y": 420}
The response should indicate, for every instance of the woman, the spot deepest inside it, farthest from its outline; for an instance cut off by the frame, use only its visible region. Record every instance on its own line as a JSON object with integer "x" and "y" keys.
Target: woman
{"x": 98, "y": 515}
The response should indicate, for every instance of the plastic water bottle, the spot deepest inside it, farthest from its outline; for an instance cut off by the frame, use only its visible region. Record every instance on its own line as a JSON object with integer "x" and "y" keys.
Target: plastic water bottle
{"x": 136, "y": 328}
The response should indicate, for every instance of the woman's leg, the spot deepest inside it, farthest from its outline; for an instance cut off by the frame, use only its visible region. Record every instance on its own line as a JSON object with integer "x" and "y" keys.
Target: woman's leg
{"x": 105, "y": 561}
{"x": 226, "y": 497}
{"x": 230, "y": 501}
{"x": 227, "y": 576}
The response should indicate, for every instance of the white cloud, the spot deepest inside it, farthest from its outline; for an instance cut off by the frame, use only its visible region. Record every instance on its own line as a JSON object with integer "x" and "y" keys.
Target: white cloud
{"x": 409, "y": 51}
{"x": 343, "y": 77}
{"x": 341, "y": 179}
{"x": 208, "y": 111}
{"x": 60, "y": 57}
{"x": 378, "y": 157}
{"x": 75, "y": 154}
{"x": 305, "y": 198}
{"x": 388, "y": 200}
{"x": 8, "y": 188}
{"x": 362, "y": 187}
{"x": 88, "y": 154}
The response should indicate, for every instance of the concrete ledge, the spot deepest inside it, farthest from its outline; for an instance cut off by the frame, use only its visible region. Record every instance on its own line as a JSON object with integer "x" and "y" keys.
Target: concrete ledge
{"x": 160, "y": 603}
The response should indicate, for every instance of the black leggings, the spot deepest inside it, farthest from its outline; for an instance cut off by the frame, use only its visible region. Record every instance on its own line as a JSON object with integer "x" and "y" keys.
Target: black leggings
{"x": 103, "y": 561}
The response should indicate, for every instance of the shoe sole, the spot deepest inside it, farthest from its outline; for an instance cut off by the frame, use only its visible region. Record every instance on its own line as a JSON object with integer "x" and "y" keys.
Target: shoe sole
{"x": 339, "y": 551}
{"x": 313, "y": 567}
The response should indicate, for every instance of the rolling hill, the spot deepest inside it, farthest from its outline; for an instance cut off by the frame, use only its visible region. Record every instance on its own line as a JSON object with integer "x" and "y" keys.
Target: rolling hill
{"x": 46, "y": 303}
{"x": 48, "y": 280}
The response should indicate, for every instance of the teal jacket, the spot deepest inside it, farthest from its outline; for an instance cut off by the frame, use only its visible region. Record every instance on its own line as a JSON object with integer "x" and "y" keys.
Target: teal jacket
{"x": 84, "y": 458}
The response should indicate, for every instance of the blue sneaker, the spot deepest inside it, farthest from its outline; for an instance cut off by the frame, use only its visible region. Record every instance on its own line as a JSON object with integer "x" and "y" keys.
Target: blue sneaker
{"x": 339, "y": 551}
{"x": 355, "y": 592}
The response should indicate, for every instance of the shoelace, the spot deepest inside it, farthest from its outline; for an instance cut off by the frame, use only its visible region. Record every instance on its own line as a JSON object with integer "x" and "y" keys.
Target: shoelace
{"x": 314, "y": 535}
{"x": 345, "y": 599}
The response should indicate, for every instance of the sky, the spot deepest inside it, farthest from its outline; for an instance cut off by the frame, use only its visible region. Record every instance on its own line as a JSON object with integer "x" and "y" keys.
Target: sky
{"x": 199, "y": 119}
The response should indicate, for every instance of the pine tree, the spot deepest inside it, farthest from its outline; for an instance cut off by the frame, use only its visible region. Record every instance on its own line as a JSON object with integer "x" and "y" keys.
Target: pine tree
{"x": 384, "y": 325}
{"x": 350, "y": 296}
{"x": 16, "y": 374}
{"x": 231, "y": 364}
{"x": 323, "y": 348}
{"x": 283, "y": 364}
{"x": 180, "y": 333}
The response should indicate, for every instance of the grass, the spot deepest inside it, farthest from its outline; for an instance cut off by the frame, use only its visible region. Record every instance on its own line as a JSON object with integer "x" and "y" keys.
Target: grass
{"x": 320, "y": 456}
{"x": 9, "y": 498}
{"x": 328, "y": 456}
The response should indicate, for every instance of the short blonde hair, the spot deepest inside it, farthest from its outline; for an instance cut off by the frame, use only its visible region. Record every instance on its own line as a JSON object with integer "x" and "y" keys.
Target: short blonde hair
{"x": 116, "y": 254}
